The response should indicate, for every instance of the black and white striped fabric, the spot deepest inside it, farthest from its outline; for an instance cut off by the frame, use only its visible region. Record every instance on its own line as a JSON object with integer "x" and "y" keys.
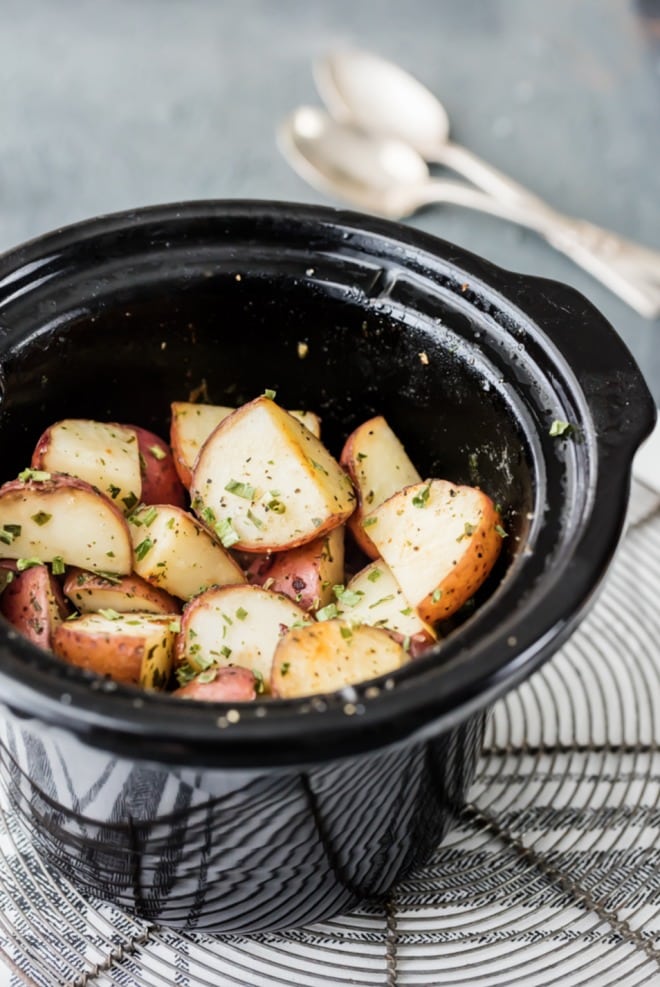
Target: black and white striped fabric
{"x": 552, "y": 876}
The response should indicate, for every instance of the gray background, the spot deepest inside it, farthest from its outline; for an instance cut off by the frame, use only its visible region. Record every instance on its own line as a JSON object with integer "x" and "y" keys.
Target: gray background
{"x": 113, "y": 104}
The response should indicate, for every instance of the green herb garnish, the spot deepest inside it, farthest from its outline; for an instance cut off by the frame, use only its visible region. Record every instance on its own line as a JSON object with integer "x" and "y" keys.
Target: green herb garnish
{"x": 559, "y": 427}
{"x": 23, "y": 564}
{"x": 57, "y": 566}
{"x": 421, "y": 499}
{"x": 226, "y": 532}
{"x": 245, "y": 490}
{"x": 158, "y": 453}
{"x": 143, "y": 548}
{"x": 39, "y": 476}
{"x": 327, "y": 613}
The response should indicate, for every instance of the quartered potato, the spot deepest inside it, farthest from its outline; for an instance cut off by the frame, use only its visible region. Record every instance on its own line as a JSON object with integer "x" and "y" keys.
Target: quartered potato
{"x": 264, "y": 483}
{"x": 379, "y": 466}
{"x": 62, "y": 519}
{"x": 136, "y": 649}
{"x": 192, "y": 424}
{"x": 374, "y": 597}
{"x": 440, "y": 540}
{"x": 103, "y": 454}
{"x": 330, "y": 654}
{"x": 235, "y": 625}
{"x": 175, "y": 553}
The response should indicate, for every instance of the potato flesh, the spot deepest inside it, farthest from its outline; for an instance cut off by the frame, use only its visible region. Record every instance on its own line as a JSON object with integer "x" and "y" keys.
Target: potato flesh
{"x": 193, "y": 423}
{"x": 381, "y": 603}
{"x": 136, "y": 649}
{"x": 129, "y": 594}
{"x": 82, "y": 528}
{"x": 104, "y": 455}
{"x": 175, "y": 553}
{"x": 266, "y": 451}
{"x": 236, "y": 625}
{"x": 331, "y": 654}
{"x": 440, "y": 540}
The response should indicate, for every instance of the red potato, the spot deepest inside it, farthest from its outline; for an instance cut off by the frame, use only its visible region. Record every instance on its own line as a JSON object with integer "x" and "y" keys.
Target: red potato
{"x": 374, "y": 597}
{"x": 7, "y": 572}
{"x": 174, "y": 552}
{"x": 235, "y": 625}
{"x": 160, "y": 480}
{"x": 378, "y": 465}
{"x": 191, "y": 425}
{"x": 264, "y": 483}
{"x": 102, "y": 454}
{"x": 61, "y": 517}
{"x": 135, "y": 649}
{"x": 90, "y": 592}
{"x": 33, "y": 603}
{"x": 305, "y": 574}
{"x": 441, "y": 541}
{"x": 220, "y": 685}
{"x": 331, "y": 654}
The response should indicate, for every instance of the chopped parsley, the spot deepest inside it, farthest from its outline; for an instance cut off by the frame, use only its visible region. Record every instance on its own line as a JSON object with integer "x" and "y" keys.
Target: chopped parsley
{"x": 284, "y": 668}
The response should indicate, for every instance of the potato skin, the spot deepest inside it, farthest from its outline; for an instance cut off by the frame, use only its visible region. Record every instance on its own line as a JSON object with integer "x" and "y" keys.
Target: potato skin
{"x": 230, "y": 685}
{"x": 34, "y": 604}
{"x": 160, "y": 480}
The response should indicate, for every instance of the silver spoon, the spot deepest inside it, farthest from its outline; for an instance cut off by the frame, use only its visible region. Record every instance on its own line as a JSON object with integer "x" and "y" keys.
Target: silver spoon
{"x": 382, "y": 99}
{"x": 388, "y": 177}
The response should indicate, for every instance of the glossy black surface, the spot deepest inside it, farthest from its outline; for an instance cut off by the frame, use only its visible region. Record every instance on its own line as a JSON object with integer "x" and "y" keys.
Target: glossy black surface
{"x": 470, "y": 365}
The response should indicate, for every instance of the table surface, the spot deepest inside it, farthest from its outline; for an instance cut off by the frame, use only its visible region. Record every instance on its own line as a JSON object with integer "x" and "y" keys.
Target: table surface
{"x": 112, "y": 105}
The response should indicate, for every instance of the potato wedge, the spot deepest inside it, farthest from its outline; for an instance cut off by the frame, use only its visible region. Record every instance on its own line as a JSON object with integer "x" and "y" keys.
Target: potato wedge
{"x": 263, "y": 482}
{"x": 100, "y": 453}
{"x": 136, "y": 649}
{"x": 378, "y": 465}
{"x": 220, "y": 685}
{"x": 191, "y": 425}
{"x": 331, "y": 654}
{"x": 90, "y": 592}
{"x": 235, "y": 625}
{"x": 160, "y": 480}
{"x": 374, "y": 597}
{"x": 62, "y": 517}
{"x": 305, "y": 574}
{"x": 34, "y": 604}
{"x": 440, "y": 540}
{"x": 174, "y": 552}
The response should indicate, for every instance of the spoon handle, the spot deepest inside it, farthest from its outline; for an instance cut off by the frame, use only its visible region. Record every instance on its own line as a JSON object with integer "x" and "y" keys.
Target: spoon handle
{"x": 626, "y": 279}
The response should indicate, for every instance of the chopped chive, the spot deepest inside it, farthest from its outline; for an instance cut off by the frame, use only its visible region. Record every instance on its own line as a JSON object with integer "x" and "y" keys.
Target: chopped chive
{"x": 174, "y": 626}
{"x": 421, "y": 499}
{"x": 319, "y": 467}
{"x": 110, "y": 577}
{"x": 346, "y": 632}
{"x": 260, "y": 685}
{"x": 129, "y": 501}
{"x": 157, "y": 453}
{"x": 383, "y": 599}
{"x": 150, "y": 517}
{"x": 327, "y": 613}
{"x": 143, "y": 548}
{"x": 284, "y": 668}
{"x": 559, "y": 427}
{"x": 224, "y": 650}
{"x": 500, "y": 530}
{"x": 245, "y": 490}
{"x": 114, "y": 491}
{"x": 361, "y": 456}
{"x": 347, "y": 597}
{"x": 368, "y": 521}
{"x": 23, "y": 564}
{"x": 110, "y": 614}
{"x": 436, "y": 596}
{"x": 39, "y": 476}
{"x": 241, "y": 614}
{"x": 374, "y": 575}
{"x": 269, "y": 394}
{"x": 276, "y": 506}
{"x": 226, "y": 532}
{"x": 406, "y": 612}
{"x": 257, "y": 522}
{"x": 57, "y": 566}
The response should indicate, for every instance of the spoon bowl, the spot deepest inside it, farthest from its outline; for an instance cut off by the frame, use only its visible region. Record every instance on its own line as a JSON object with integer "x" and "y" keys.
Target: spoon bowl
{"x": 382, "y": 99}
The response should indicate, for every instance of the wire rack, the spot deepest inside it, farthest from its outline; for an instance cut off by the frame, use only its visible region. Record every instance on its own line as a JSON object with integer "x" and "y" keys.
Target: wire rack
{"x": 551, "y": 877}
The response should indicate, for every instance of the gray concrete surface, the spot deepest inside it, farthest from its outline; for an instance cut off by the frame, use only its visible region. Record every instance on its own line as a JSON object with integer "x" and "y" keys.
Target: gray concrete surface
{"x": 109, "y": 104}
